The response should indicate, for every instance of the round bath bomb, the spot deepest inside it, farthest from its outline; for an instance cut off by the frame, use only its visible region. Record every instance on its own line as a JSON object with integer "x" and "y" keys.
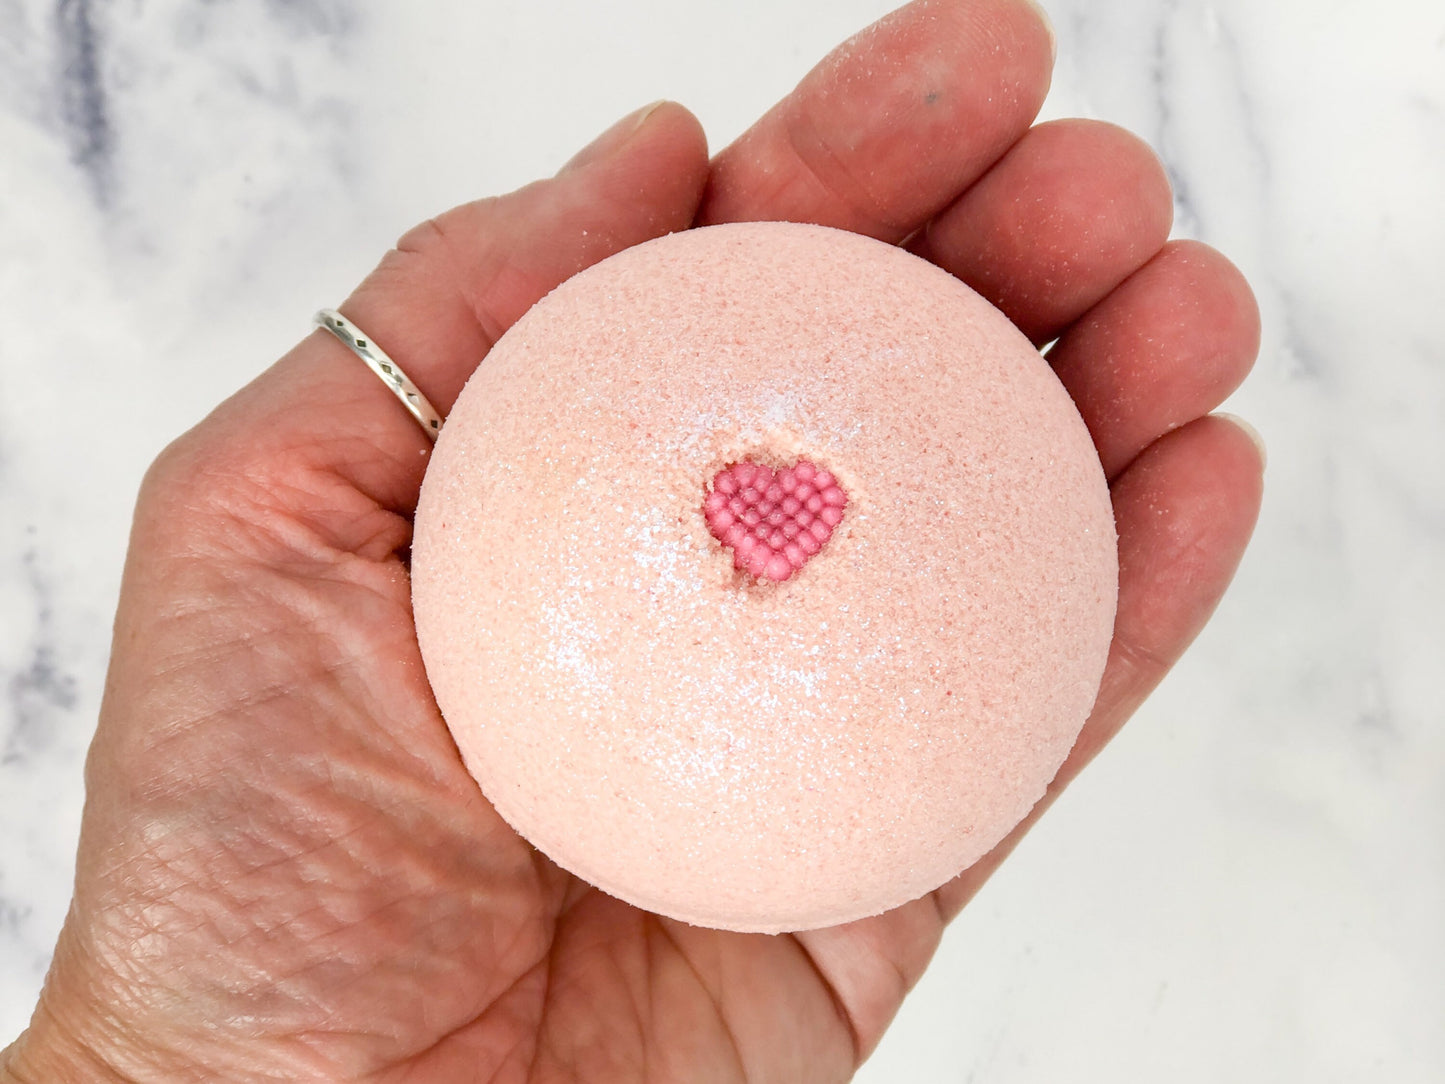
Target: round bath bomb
{"x": 764, "y": 575}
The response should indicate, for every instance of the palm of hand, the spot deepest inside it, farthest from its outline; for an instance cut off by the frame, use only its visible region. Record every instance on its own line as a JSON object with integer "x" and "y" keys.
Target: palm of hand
{"x": 285, "y": 871}
{"x": 341, "y": 891}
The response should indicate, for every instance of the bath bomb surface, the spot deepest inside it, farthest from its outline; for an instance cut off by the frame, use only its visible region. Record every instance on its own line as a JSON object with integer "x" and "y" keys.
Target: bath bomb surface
{"x": 764, "y": 575}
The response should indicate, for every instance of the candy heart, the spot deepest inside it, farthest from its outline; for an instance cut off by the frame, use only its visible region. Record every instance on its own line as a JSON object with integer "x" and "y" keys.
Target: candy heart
{"x": 773, "y": 521}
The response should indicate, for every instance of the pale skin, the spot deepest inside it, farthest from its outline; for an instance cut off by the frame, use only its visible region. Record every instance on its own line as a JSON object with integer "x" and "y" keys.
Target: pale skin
{"x": 284, "y": 871}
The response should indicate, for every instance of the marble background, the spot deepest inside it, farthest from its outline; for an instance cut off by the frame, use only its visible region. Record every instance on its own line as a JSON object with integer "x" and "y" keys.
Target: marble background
{"x": 1249, "y": 885}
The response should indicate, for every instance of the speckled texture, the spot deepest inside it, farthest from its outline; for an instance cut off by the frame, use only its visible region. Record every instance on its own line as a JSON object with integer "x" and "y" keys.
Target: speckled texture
{"x": 727, "y": 751}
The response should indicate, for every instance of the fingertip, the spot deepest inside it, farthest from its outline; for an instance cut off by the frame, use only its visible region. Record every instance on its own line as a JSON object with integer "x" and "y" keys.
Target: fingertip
{"x": 662, "y": 139}
{"x": 1222, "y": 286}
{"x": 1142, "y": 170}
{"x": 1189, "y": 502}
{"x": 612, "y": 139}
{"x": 669, "y": 138}
{"x": 1235, "y": 456}
{"x": 1048, "y": 26}
{"x": 678, "y": 123}
{"x": 1249, "y": 431}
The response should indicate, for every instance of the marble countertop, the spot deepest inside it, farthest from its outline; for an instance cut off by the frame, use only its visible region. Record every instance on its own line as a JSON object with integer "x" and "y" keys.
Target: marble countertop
{"x": 1248, "y": 885}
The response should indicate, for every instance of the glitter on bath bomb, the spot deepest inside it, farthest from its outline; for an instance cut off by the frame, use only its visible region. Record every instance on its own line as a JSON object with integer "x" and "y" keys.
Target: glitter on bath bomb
{"x": 764, "y": 574}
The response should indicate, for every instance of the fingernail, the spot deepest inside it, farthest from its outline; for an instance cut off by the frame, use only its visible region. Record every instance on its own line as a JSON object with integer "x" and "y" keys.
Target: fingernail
{"x": 1048, "y": 25}
{"x": 614, "y": 137}
{"x": 1250, "y": 431}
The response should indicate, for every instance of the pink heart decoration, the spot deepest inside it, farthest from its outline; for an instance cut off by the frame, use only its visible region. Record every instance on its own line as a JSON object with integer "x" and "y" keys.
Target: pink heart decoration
{"x": 773, "y": 521}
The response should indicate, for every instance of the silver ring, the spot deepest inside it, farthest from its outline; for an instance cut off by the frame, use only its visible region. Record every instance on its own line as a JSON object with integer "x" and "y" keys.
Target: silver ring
{"x": 360, "y": 344}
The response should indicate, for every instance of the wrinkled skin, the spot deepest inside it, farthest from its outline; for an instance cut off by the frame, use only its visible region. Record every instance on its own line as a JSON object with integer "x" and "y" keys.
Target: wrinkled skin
{"x": 284, "y": 871}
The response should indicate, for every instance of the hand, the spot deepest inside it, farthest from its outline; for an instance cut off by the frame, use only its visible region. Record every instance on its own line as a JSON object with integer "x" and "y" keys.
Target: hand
{"x": 285, "y": 871}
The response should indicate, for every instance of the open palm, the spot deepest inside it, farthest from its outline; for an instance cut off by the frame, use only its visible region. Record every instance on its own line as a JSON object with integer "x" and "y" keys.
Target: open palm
{"x": 285, "y": 872}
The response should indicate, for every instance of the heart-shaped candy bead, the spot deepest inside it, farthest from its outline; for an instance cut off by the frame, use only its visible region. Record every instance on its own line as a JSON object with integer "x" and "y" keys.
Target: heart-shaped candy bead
{"x": 773, "y": 521}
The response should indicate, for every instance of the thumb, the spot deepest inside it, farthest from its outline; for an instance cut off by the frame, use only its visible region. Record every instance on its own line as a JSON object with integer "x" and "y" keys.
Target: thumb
{"x": 435, "y": 304}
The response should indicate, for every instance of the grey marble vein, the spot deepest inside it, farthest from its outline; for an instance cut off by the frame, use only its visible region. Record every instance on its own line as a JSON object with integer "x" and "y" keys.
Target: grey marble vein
{"x": 39, "y": 688}
{"x": 1161, "y": 76}
{"x": 327, "y": 17}
{"x": 84, "y": 100}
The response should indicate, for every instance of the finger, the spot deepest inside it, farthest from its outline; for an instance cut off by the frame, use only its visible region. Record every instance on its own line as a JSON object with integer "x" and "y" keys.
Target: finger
{"x": 1072, "y": 210}
{"x": 439, "y": 300}
{"x": 1164, "y": 348}
{"x": 893, "y": 124}
{"x": 1184, "y": 509}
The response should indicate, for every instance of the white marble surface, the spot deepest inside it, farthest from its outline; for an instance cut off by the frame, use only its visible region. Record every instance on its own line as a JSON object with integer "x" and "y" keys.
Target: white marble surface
{"x": 1250, "y": 883}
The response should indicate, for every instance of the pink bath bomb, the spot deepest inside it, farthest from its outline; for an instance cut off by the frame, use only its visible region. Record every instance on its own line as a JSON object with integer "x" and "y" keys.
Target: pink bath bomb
{"x": 860, "y": 681}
